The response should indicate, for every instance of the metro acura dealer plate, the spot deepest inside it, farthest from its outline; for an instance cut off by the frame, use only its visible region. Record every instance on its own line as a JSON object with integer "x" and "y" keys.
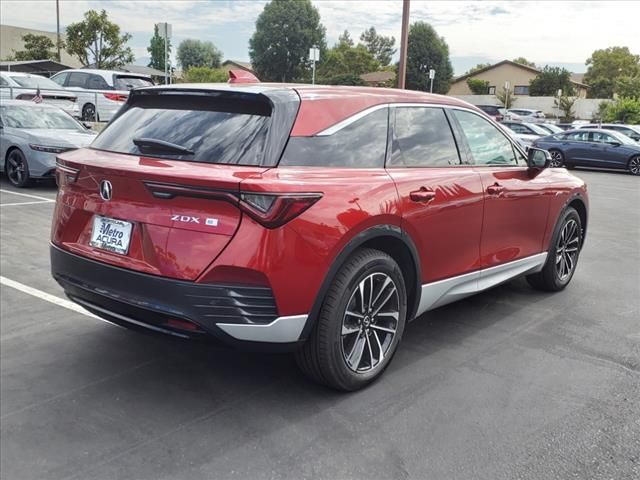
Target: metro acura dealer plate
{"x": 111, "y": 234}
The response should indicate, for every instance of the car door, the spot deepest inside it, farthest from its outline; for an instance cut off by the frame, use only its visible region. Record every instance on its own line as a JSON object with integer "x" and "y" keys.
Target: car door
{"x": 576, "y": 147}
{"x": 517, "y": 199}
{"x": 441, "y": 198}
{"x": 606, "y": 151}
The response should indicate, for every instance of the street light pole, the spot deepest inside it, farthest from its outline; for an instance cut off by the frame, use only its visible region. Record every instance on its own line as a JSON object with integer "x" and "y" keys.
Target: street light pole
{"x": 432, "y": 75}
{"x": 58, "y": 26}
{"x": 404, "y": 36}
{"x": 165, "y": 53}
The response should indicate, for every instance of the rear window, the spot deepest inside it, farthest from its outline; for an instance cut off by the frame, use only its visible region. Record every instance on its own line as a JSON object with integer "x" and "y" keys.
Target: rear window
{"x": 122, "y": 82}
{"x": 212, "y": 129}
{"x": 362, "y": 144}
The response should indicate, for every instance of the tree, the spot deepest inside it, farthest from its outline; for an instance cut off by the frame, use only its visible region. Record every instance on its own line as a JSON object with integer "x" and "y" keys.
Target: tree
{"x": 285, "y": 31}
{"x": 524, "y": 61}
{"x": 156, "y": 50}
{"x": 628, "y": 87}
{"x": 623, "y": 110}
{"x": 506, "y": 98}
{"x": 195, "y": 53}
{"x": 478, "y": 67}
{"x": 345, "y": 79}
{"x": 427, "y": 50}
{"x": 549, "y": 80}
{"x": 36, "y": 47}
{"x": 477, "y": 86}
{"x": 205, "y": 75}
{"x": 565, "y": 103}
{"x": 346, "y": 59}
{"x": 606, "y": 66}
{"x": 345, "y": 40}
{"x": 97, "y": 41}
{"x": 381, "y": 47}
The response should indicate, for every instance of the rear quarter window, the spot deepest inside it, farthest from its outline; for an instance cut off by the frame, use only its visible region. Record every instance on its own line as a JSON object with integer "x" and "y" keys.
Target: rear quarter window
{"x": 362, "y": 144}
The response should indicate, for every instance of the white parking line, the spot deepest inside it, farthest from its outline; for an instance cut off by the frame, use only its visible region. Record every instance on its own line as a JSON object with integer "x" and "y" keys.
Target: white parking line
{"x": 61, "y": 302}
{"x": 28, "y": 195}
{"x": 23, "y": 203}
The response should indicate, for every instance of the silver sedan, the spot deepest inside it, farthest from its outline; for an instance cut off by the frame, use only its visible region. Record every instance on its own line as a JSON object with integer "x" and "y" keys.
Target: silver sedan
{"x": 31, "y": 135}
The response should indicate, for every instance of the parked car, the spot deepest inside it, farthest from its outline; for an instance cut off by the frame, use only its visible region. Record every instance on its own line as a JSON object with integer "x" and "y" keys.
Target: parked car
{"x": 286, "y": 217}
{"x": 526, "y": 128}
{"x": 550, "y": 127}
{"x": 498, "y": 112}
{"x": 24, "y": 86}
{"x": 592, "y": 148}
{"x": 631, "y": 131}
{"x": 31, "y": 135}
{"x": 529, "y": 115}
{"x": 101, "y": 93}
{"x": 524, "y": 139}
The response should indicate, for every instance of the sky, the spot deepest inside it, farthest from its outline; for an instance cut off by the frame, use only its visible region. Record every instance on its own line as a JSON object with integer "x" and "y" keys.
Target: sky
{"x": 558, "y": 33}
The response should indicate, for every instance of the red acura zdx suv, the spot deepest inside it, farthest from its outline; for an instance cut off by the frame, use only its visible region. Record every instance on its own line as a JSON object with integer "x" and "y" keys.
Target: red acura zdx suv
{"x": 312, "y": 219}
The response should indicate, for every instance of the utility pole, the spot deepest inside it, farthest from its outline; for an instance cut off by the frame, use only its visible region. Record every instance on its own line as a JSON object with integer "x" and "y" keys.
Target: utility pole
{"x": 58, "y": 26}
{"x": 432, "y": 75}
{"x": 165, "y": 53}
{"x": 404, "y": 36}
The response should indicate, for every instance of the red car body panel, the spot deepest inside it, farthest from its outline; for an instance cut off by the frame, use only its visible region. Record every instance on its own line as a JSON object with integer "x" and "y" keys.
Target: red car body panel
{"x": 457, "y": 221}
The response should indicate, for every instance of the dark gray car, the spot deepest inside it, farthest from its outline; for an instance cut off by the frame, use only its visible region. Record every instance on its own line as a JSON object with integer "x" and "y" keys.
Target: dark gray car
{"x": 591, "y": 147}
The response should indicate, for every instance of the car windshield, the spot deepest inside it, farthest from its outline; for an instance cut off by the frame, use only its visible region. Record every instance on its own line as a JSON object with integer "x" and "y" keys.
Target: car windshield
{"x": 34, "y": 81}
{"x": 621, "y": 137}
{"x": 33, "y": 116}
{"x": 538, "y": 130}
{"x": 551, "y": 128}
{"x": 127, "y": 83}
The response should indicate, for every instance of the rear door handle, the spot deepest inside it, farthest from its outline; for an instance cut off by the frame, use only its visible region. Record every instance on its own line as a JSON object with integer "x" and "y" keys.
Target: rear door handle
{"x": 495, "y": 189}
{"x": 423, "y": 195}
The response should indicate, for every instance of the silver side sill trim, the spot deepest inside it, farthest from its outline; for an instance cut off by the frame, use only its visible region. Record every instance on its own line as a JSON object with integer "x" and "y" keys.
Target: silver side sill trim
{"x": 281, "y": 330}
{"x": 440, "y": 293}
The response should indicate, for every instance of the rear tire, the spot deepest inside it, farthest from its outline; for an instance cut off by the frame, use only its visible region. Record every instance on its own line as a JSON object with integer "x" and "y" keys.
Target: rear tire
{"x": 16, "y": 169}
{"x": 360, "y": 323}
{"x": 562, "y": 257}
{"x": 557, "y": 158}
{"x": 634, "y": 165}
{"x": 89, "y": 113}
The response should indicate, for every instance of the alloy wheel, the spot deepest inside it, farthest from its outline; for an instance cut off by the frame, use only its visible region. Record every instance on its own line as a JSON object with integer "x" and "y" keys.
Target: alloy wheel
{"x": 567, "y": 250}
{"x": 370, "y": 322}
{"x": 634, "y": 165}
{"x": 556, "y": 159}
{"x": 16, "y": 169}
{"x": 89, "y": 113}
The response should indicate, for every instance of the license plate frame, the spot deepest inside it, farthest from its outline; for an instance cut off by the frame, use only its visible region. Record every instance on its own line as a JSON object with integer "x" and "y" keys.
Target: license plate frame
{"x": 111, "y": 234}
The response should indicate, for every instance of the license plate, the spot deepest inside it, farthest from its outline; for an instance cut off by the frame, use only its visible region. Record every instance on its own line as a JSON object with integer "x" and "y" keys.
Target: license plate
{"x": 111, "y": 234}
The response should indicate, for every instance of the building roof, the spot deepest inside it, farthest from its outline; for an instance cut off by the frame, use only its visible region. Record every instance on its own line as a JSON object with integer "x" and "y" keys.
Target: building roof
{"x": 141, "y": 69}
{"x": 33, "y": 66}
{"x": 515, "y": 64}
{"x": 378, "y": 76}
{"x": 244, "y": 65}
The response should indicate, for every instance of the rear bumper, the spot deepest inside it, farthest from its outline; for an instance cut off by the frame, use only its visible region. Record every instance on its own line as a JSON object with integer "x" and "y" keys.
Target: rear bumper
{"x": 240, "y": 315}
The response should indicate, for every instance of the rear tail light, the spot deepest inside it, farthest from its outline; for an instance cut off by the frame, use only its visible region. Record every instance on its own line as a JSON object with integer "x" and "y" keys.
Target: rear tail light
{"x": 116, "y": 97}
{"x": 273, "y": 210}
{"x": 270, "y": 210}
{"x": 70, "y": 174}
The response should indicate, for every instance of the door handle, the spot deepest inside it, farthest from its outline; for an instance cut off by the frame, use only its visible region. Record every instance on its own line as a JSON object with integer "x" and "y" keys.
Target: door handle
{"x": 422, "y": 195}
{"x": 495, "y": 189}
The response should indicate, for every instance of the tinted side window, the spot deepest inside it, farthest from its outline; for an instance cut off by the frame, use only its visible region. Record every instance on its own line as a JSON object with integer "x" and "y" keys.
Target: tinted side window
{"x": 363, "y": 144}
{"x": 422, "y": 137}
{"x": 488, "y": 145}
{"x": 60, "y": 78}
{"x": 3, "y": 82}
{"x": 77, "y": 79}
{"x": 602, "y": 138}
{"x": 96, "y": 82}
{"x": 578, "y": 136}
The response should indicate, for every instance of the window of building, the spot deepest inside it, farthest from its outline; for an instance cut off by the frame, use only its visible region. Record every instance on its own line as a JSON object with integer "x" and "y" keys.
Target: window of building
{"x": 521, "y": 90}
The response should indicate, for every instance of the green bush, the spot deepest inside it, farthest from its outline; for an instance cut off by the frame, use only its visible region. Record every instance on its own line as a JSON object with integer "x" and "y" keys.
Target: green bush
{"x": 477, "y": 86}
{"x": 566, "y": 105}
{"x": 205, "y": 75}
{"x": 343, "y": 79}
{"x": 624, "y": 110}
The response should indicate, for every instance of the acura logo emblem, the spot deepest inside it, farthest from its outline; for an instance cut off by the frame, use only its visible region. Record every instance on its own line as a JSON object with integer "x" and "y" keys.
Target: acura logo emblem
{"x": 106, "y": 189}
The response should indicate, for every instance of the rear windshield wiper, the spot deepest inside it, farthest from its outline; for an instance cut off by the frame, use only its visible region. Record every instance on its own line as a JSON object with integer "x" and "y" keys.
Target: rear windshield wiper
{"x": 153, "y": 145}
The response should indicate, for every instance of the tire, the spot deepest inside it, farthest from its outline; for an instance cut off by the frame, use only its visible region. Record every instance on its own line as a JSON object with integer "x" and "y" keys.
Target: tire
{"x": 348, "y": 351}
{"x": 557, "y": 158}
{"x": 634, "y": 165}
{"x": 16, "y": 169}
{"x": 563, "y": 254}
{"x": 89, "y": 113}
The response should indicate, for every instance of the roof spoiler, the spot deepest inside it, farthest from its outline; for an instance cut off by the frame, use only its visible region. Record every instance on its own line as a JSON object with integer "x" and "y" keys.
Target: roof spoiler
{"x": 242, "y": 76}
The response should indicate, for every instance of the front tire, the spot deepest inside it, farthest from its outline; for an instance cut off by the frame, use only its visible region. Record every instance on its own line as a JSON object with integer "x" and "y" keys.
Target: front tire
{"x": 634, "y": 165}
{"x": 562, "y": 257}
{"x": 17, "y": 169}
{"x": 360, "y": 324}
{"x": 89, "y": 113}
{"x": 557, "y": 158}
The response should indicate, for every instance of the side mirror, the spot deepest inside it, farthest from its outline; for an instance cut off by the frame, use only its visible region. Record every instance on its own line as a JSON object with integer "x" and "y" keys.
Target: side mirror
{"x": 538, "y": 158}
{"x": 614, "y": 144}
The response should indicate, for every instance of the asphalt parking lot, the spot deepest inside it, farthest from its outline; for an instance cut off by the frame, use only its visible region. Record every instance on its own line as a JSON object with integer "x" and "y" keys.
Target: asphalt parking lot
{"x": 510, "y": 384}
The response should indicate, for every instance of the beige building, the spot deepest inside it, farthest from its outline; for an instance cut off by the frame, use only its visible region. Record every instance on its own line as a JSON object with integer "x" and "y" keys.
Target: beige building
{"x": 516, "y": 74}
{"x": 11, "y": 41}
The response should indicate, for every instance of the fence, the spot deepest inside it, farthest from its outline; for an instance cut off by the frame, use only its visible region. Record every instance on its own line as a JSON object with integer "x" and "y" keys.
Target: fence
{"x": 584, "y": 108}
